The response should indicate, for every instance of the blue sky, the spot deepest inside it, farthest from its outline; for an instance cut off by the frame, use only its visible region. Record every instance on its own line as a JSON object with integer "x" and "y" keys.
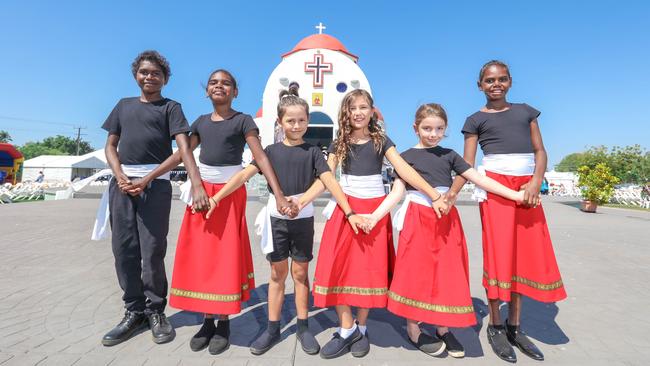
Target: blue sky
{"x": 584, "y": 64}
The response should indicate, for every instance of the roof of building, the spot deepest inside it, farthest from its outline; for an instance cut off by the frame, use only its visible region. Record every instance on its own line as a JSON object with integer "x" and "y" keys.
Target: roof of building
{"x": 324, "y": 41}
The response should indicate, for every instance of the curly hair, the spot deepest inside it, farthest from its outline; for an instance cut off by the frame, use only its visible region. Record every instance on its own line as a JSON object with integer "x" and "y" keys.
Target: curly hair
{"x": 155, "y": 57}
{"x": 342, "y": 145}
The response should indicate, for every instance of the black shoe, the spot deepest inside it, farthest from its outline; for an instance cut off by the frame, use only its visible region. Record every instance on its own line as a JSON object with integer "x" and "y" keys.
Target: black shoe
{"x": 202, "y": 338}
{"x": 518, "y": 338}
{"x": 499, "y": 342}
{"x": 125, "y": 329}
{"x": 432, "y": 346}
{"x": 161, "y": 329}
{"x": 337, "y": 346}
{"x": 220, "y": 340}
{"x": 361, "y": 347}
{"x": 454, "y": 348}
{"x": 218, "y": 344}
{"x": 308, "y": 342}
{"x": 265, "y": 341}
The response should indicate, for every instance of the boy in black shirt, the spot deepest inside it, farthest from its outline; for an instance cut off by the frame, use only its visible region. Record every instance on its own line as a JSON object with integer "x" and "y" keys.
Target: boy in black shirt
{"x": 140, "y": 195}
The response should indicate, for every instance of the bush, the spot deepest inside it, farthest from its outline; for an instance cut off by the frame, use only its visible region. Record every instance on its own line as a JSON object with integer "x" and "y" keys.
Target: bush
{"x": 597, "y": 183}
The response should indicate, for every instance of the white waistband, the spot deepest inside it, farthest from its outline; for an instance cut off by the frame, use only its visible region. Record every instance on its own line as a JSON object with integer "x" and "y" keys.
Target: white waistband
{"x": 263, "y": 221}
{"x": 506, "y": 164}
{"x": 510, "y": 164}
{"x": 100, "y": 230}
{"x": 415, "y": 197}
{"x": 218, "y": 174}
{"x": 363, "y": 186}
{"x": 210, "y": 174}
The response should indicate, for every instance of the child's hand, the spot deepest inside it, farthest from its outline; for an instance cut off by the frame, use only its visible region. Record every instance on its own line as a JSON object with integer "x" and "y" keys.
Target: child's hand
{"x": 519, "y": 197}
{"x": 200, "y": 201}
{"x": 123, "y": 182}
{"x": 450, "y": 198}
{"x": 213, "y": 204}
{"x": 283, "y": 206}
{"x": 370, "y": 223}
{"x": 440, "y": 207}
{"x": 356, "y": 222}
{"x": 294, "y": 207}
{"x": 137, "y": 186}
{"x": 532, "y": 195}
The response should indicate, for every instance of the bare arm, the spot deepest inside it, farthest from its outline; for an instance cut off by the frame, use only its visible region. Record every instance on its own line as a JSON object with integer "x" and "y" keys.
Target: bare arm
{"x": 253, "y": 141}
{"x": 113, "y": 159}
{"x": 234, "y": 182}
{"x": 492, "y": 185}
{"x": 531, "y": 189}
{"x": 407, "y": 173}
{"x": 469, "y": 154}
{"x": 333, "y": 186}
{"x": 393, "y": 198}
{"x": 317, "y": 187}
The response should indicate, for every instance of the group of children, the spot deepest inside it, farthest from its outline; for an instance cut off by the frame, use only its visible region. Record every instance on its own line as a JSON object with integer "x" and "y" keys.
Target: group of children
{"x": 427, "y": 280}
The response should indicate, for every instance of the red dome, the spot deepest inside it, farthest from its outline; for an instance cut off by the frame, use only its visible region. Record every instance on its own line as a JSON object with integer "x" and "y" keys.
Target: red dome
{"x": 259, "y": 113}
{"x": 380, "y": 117}
{"x": 324, "y": 41}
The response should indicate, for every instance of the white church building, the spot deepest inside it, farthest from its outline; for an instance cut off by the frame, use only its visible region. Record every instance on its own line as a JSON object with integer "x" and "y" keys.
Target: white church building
{"x": 325, "y": 71}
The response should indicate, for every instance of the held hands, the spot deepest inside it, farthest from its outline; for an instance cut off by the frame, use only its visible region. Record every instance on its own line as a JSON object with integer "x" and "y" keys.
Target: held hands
{"x": 532, "y": 195}
{"x": 370, "y": 223}
{"x": 200, "y": 200}
{"x": 357, "y": 222}
{"x": 213, "y": 203}
{"x": 134, "y": 187}
{"x": 293, "y": 208}
{"x": 440, "y": 207}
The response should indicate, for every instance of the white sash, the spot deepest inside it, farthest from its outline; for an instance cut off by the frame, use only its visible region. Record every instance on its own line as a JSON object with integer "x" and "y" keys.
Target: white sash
{"x": 360, "y": 186}
{"x": 263, "y": 221}
{"x": 507, "y": 164}
{"x": 415, "y": 197}
{"x": 100, "y": 229}
{"x": 210, "y": 174}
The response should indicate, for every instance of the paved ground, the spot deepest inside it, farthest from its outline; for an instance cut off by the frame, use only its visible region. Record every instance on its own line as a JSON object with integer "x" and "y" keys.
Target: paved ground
{"x": 60, "y": 295}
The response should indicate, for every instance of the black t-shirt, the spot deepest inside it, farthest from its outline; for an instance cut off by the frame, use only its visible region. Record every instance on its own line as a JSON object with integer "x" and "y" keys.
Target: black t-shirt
{"x": 504, "y": 132}
{"x": 295, "y": 166}
{"x": 364, "y": 158}
{"x": 146, "y": 130}
{"x": 435, "y": 164}
{"x": 222, "y": 142}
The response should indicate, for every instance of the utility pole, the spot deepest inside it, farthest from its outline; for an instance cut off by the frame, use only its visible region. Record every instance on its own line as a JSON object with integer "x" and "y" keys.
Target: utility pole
{"x": 79, "y": 137}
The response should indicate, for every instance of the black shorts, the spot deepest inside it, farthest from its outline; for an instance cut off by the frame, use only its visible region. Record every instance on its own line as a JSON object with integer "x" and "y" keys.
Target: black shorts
{"x": 293, "y": 238}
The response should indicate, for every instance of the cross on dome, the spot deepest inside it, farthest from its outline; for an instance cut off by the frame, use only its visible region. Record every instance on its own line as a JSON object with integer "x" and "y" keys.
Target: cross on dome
{"x": 320, "y": 27}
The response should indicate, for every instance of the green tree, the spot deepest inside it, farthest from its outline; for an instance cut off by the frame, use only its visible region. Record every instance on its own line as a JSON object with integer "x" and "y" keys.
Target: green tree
{"x": 630, "y": 164}
{"x": 5, "y": 136}
{"x": 55, "y": 145}
{"x": 570, "y": 163}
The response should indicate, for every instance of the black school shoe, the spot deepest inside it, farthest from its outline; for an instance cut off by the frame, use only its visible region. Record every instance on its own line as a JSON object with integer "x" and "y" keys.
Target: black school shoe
{"x": 220, "y": 340}
{"x": 338, "y": 346}
{"x": 161, "y": 329}
{"x": 454, "y": 348}
{"x": 432, "y": 346}
{"x": 361, "y": 347}
{"x": 308, "y": 342}
{"x": 125, "y": 329}
{"x": 499, "y": 341}
{"x": 518, "y": 338}
{"x": 202, "y": 338}
{"x": 265, "y": 342}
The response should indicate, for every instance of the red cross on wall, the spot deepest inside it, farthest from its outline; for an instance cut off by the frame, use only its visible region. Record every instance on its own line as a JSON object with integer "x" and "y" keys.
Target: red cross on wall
{"x": 318, "y": 67}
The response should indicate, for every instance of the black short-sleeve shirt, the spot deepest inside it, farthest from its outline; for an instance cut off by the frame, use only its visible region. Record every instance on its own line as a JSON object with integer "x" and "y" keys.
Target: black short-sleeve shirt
{"x": 504, "y": 132}
{"x": 295, "y": 166}
{"x": 222, "y": 142}
{"x": 364, "y": 159}
{"x": 146, "y": 130}
{"x": 435, "y": 165}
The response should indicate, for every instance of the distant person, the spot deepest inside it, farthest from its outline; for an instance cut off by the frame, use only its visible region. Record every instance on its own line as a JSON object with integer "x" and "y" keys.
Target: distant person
{"x": 544, "y": 188}
{"x": 518, "y": 257}
{"x": 140, "y": 195}
{"x": 40, "y": 177}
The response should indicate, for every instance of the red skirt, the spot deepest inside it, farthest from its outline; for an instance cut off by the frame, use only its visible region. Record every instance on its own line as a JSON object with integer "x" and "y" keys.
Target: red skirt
{"x": 431, "y": 277}
{"x": 517, "y": 249}
{"x": 354, "y": 270}
{"x": 213, "y": 267}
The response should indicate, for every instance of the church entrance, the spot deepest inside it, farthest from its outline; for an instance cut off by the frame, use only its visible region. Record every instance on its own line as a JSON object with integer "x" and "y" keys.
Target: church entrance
{"x": 320, "y": 131}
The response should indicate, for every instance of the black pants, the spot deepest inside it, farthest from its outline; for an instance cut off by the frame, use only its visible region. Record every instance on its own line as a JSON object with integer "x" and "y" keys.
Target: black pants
{"x": 139, "y": 233}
